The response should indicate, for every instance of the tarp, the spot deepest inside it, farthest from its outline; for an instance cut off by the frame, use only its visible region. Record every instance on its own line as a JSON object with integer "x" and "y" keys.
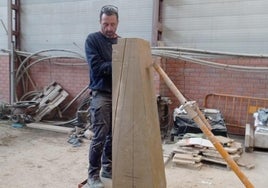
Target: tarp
{"x": 184, "y": 124}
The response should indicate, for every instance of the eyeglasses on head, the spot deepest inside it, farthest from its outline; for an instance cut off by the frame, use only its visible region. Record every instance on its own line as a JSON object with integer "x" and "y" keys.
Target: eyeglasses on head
{"x": 109, "y": 8}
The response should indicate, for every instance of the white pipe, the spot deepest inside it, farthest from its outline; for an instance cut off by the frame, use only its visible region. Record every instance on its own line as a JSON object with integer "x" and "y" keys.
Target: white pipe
{"x": 210, "y": 52}
{"x": 12, "y": 75}
{"x": 74, "y": 99}
{"x": 168, "y": 54}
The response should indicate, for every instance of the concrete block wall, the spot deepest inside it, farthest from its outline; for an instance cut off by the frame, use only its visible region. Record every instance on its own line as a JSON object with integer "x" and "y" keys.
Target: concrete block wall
{"x": 4, "y": 78}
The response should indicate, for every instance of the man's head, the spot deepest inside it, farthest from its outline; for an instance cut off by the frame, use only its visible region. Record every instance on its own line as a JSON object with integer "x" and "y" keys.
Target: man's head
{"x": 109, "y": 20}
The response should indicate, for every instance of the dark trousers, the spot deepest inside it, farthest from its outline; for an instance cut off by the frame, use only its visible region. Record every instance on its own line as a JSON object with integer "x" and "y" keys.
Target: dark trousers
{"x": 100, "y": 151}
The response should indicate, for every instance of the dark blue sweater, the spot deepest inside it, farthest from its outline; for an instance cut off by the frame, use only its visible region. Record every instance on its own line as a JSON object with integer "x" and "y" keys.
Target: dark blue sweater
{"x": 98, "y": 50}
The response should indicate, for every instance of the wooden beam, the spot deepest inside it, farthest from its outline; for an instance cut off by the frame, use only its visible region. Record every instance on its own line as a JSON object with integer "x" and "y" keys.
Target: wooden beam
{"x": 49, "y": 127}
{"x": 193, "y": 111}
{"x": 137, "y": 149}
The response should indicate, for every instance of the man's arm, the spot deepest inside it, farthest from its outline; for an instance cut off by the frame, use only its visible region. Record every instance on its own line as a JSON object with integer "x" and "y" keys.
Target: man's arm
{"x": 96, "y": 63}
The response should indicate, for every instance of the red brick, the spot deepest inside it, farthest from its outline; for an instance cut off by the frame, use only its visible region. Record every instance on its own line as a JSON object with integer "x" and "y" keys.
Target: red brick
{"x": 201, "y": 80}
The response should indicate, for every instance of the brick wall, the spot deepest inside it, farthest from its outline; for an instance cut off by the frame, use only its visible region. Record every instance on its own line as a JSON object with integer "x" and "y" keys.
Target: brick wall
{"x": 193, "y": 80}
{"x": 4, "y": 78}
{"x": 66, "y": 72}
{"x": 72, "y": 78}
{"x": 196, "y": 81}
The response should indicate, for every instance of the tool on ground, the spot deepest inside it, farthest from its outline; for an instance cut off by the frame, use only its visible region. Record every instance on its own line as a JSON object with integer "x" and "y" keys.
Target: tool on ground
{"x": 194, "y": 112}
{"x": 18, "y": 112}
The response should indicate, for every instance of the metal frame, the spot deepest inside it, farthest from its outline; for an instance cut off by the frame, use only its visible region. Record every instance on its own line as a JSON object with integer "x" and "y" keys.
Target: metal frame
{"x": 157, "y": 22}
{"x": 14, "y": 24}
{"x": 237, "y": 110}
{"x": 13, "y": 42}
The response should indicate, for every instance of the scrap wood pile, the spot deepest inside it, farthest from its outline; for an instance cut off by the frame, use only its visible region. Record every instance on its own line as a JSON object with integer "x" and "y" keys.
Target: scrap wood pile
{"x": 194, "y": 152}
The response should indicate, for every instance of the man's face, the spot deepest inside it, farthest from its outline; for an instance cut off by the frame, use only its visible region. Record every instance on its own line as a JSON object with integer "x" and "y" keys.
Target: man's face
{"x": 109, "y": 25}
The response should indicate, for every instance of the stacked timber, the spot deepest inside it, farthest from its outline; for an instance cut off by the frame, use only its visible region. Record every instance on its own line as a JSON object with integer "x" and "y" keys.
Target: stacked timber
{"x": 194, "y": 152}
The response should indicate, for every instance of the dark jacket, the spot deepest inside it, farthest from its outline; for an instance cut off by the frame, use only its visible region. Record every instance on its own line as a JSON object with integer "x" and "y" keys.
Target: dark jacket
{"x": 98, "y": 50}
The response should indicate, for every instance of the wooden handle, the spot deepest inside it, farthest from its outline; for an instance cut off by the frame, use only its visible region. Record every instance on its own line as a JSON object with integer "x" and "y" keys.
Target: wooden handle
{"x": 193, "y": 111}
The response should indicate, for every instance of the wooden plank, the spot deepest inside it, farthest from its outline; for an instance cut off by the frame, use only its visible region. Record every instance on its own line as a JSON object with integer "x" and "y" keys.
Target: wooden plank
{"x": 235, "y": 157}
{"x": 182, "y": 161}
{"x": 213, "y": 160}
{"x": 246, "y": 165}
{"x": 249, "y": 138}
{"x": 224, "y": 140}
{"x": 188, "y": 164}
{"x": 196, "y": 142}
{"x": 232, "y": 150}
{"x": 50, "y": 127}
{"x": 137, "y": 149}
{"x": 186, "y": 151}
{"x": 188, "y": 157}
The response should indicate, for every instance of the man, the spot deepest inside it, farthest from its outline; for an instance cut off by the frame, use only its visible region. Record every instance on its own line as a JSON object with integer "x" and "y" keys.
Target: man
{"x": 98, "y": 48}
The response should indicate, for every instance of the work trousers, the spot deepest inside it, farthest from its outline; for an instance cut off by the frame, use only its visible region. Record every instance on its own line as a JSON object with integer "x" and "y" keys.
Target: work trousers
{"x": 100, "y": 150}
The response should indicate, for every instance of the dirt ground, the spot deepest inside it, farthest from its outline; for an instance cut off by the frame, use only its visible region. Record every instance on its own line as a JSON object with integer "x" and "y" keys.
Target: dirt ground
{"x": 37, "y": 158}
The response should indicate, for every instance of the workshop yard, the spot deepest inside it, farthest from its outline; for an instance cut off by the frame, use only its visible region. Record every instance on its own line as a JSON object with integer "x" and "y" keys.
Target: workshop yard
{"x": 44, "y": 159}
